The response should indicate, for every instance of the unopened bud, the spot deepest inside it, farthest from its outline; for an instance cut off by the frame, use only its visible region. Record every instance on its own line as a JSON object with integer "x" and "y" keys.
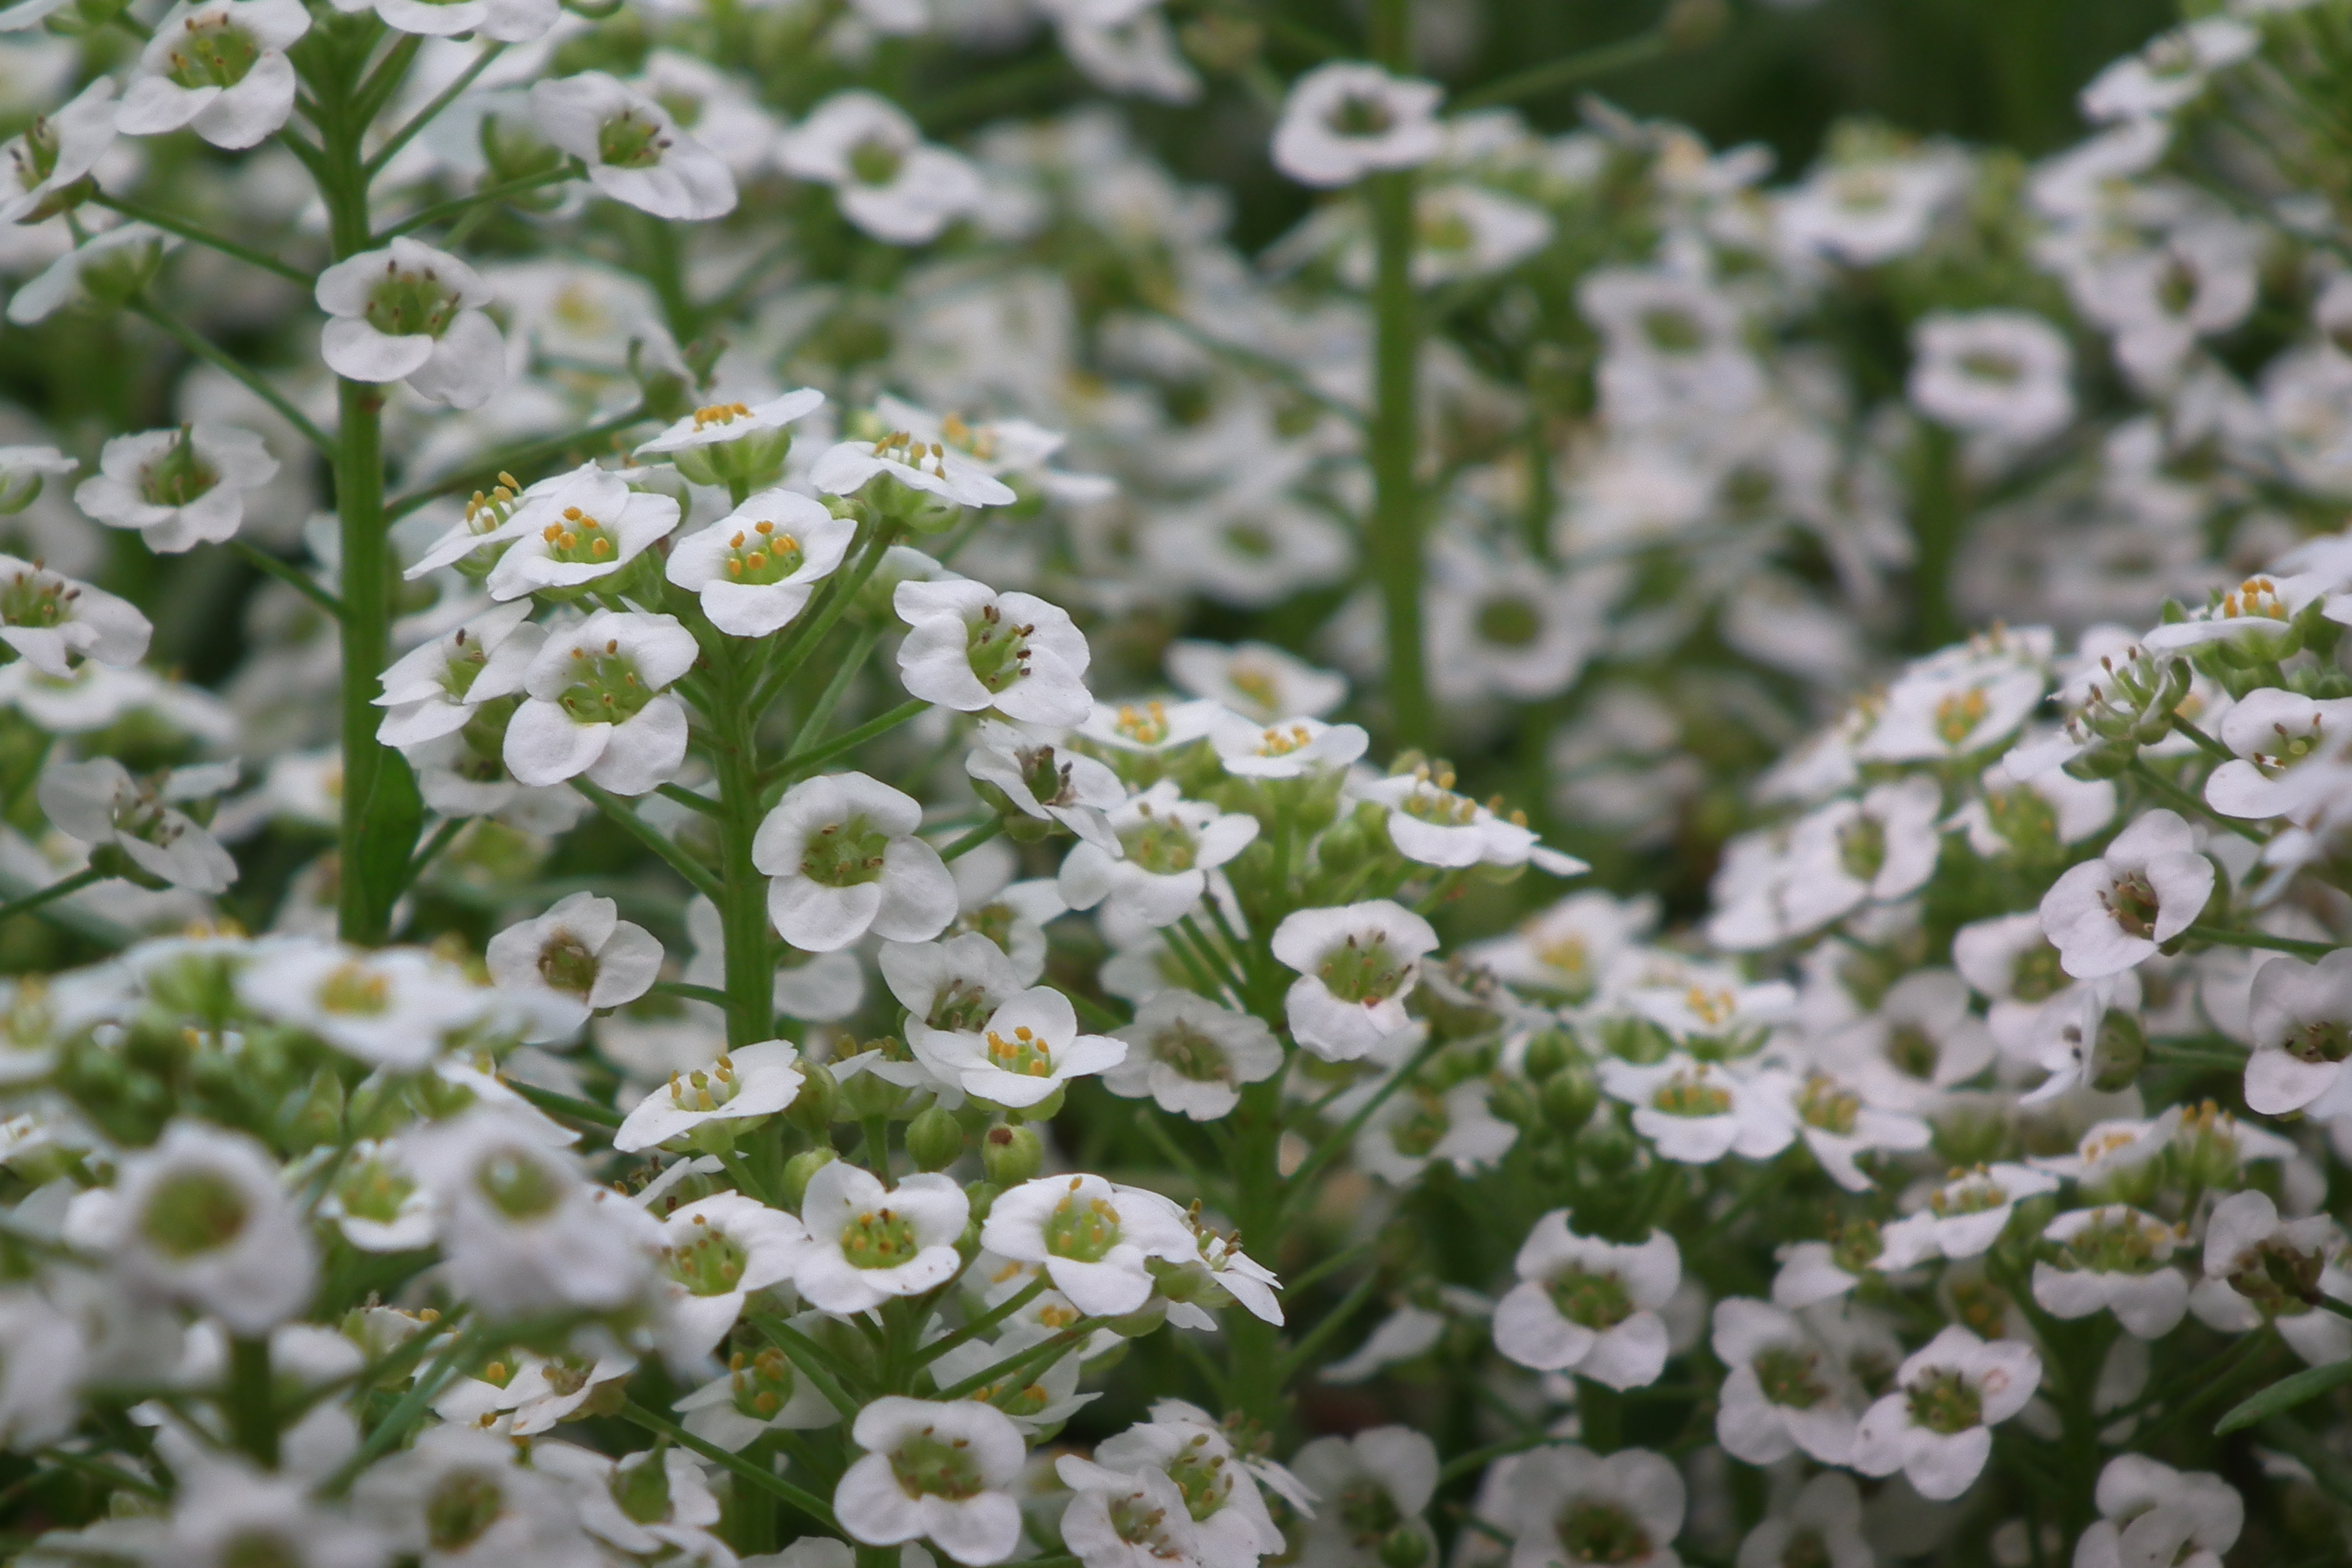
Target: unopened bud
{"x": 2118, "y": 1053}
{"x": 812, "y": 1108}
{"x": 934, "y": 1140}
{"x": 799, "y": 1169}
{"x": 1548, "y": 1050}
{"x": 1568, "y": 1097}
{"x": 1011, "y": 1154}
{"x": 1403, "y": 1547}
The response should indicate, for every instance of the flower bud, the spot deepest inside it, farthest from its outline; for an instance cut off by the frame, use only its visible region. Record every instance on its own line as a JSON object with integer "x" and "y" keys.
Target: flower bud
{"x": 1403, "y": 1547}
{"x": 1514, "y": 1102}
{"x": 934, "y": 1140}
{"x": 1548, "y": 1050}
{"x": 1607, "y": 1145}
{"x": 1568, "y": 1097}
{"x": 1011, "y": 1153}
{"x": 812, "y": 1109}
{"x": 2118, "y": 1052}
{"x": 800, "y": 1168}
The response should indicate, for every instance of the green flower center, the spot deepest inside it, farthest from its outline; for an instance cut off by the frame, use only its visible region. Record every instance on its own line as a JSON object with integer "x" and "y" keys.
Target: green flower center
{"x": 631, "y": 141}
{"x": 604, "y": 687}
{"x": 710, "y": 1263}
{"x": 404, "y": 304}
{"x": 2319, "y": 1040}
{"x": 930, "y": 1466}
{"x": 1913, "y": 1052}
{"x": 762, "y": 554}
{"x": 1437, "y": 804}
{"x": 566, "y": 964}
{"x": 1083, "y": 1232}
{"x": 518, "y": 1185}
{"x": 1969, "y": 1194}
{"x": 1691, "y": 1092}
{"x": 177, "y": 477}
{"x": 373, "y": 1190}
{"x": 1250, "y": 540}
{"x": 1361, "y": 970}
{"x": 2036, "y": 975}
{"x": 760, "y": 1384}
{"x": 1203, "y": 1476}
{"x": 1191, "y": 1055}
{"x": 2133, "y": 904}
{"x": 1046, "y": 778}
{"x": 1854, "y": 1245}
{"x": 961, "y": 1006}
{"x": 642, "y": 1488}
{"x": 36, "y": 157}
{"x": 1161, "y": 844}
{"x": 1673, "y": 332}
{"x": 2022, "y": 817}
{"x": 1959, "y": 714}
{"x": 875, "y": 162}
{"x": 1862, "y": 847}
{"x": 197, "y": 1212}
{"x": 259, "y": 1548}
{"x": 1603, "y": 1532}
{"x": 1822, "y": 1104}
{"x": 462, "y": 1508}
{"x": 1943, "y": 1402}
{"x": 1361, "y": 115}
{"x": 2121, "y": 1243}
{"x": 2279, "y": 1280}
{"x": 1594, "y": 1301}
{"x": 998, "y": 650}
{"x": 1024, "y": 1054}
{"x": 1983, "y": 364}
{"x": 879, "y": 1240}
{"x": 1369, "y": 1512}
{"x": 1787, "y": 1376}
{"x": 845, "y": 854}
{"x": 1509, "y": 622}
{"x": 579, "y": 539}
{"x": 35, "y": 599}
{"x": 212, "y": 51}
{"x": 1140, "y": 1524}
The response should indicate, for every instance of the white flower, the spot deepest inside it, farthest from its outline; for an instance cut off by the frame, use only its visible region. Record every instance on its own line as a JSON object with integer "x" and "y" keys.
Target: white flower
{"x": 2113, "y": 1258}
{"x": 1046, "y": 1400}
{"x": 1028, "y": 1049}
{"x": 393, "y": 1008}
{"x": 2052, "y": 805}
{"x": 1962, "y": 701}
{"x": 757, "y": 1394}
{"x": 598, "y": 704}
{"x": 1963, "y": 1217}
{"x": 2258, "y": 612}
{"x": 2260, "y": 1268}
{"x": 219, "y": 67}
{"x": 1418, "y": 1124}
{"x": 578, "y": 957}
{"x": 949, "y": 987}
{"x": 1569, "y": 1508}
{"x": 846, "y": 467}
{"x": 1812, "y": 1272}
{"x": 1255, "y": 679}
{"x": 503, "y": 21}
{"x": 1587, "y": 1306}
{"x": 2002, "y": 373}
{"x": 745, "y": 1084}
{"x": 100, "y": 804}
{"x": 972, "y": 648}
{"x": 1191, "y": 1056}
{"x": 1937, "y": 1426}
{"x": 460, "y": 1495}
{"x": 1187, "y": 1444}
{"x": 522, "y": 1232}
{"x": 50, "y": 620}
{"x": 2152, "y": 1513}
{"x": 586, "y": 525}
{"x": 199, "y": 1218}
{"x": 103, "y": 267}
{"x": 2301, "y": 1021}
{"x": 755, "y": 568}
{"x": 655, "y": 1503}
{"x": 1675, "y": 346}
{"x": 178, "y": 487}
{"x": 1369, "y": 1486}
{"x": 1042, "y": 781}
{"x": 1115, "y": 1520}
{"x": 934, "y": 1472}
{"x": 1150, "y": 728}
{"x": 868, "y": 1243}
{"x": 1294, "y": 747}
{"x": 2293, "y": 754}
{"x": 1822, "y": 1529}
{"x": 41, "y": 1362}
{"x": 634, "y": 152}
{"x": 378, "y": 1202}
{"x": 889, "y": 181}
{"x": 228, "y": 1512}
{"x": 436, "y": 689}
{"x": 1344, "y": 120}
{"x": 1356, "y": 966}
{"x": 1920, "y": 1041}
{"x": 1865, "y": 213}
{"x": 1500, "y": 624}
{"x": 721, "y": 1248}
{"x": 56, "y": 151}
{"x": 2168, "y": 72}
{"x": 1562, "y": 952}
{"x": 1782, "y": 1390}
{"x": 2107, "y": 915}
{"x": 1171, "y": 844}
{"x": 1093, "y": 1239}
{"x": 842, "y": 860}
{"x": 1696, "y": 1112}
{"x": 1430, "y": 824}
{"x": 409, "y": 312}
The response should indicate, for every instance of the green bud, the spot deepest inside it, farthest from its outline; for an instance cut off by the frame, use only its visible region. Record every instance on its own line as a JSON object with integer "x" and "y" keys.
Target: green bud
{"x": 1548, "y": 1050}
{"x": 800, "y": 1168}
{"x": 1570, "y": 1096}
{"x": 1607, "y": 1145}
{"x": 1403, "y": 1547}
{"x": 1514, "y": 1102}
{"x": 316, "y": 1115}
{"x": 812, "y": 1109}
{"x": 1143, "y": 1321}
{"x": 868, "y": 1095}
{"x": 1691, "y": 25}
{"x": 934, "y": 1140}
{"x": 641, "y": 1487}
{"x": 2118, "y": 1053}
{"x": 1011, "y": 1153}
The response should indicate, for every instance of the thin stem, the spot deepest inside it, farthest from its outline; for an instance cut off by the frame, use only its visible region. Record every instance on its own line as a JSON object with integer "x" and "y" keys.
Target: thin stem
{"x": 974, "y": 840}
{"x": 252, "y": 1417}
{"x": 55, "y": 891}
{"x": 767, "y": 1480}
{"x": 529, "y": 455}
{"x": 617, "y": 810}
{"x": 1301, "y": 1180}
{"x": 1304, "y": 1353}
{"x": 285, "y": 571}
{"x": 811, "y": 1360}
{"x": 820, "y": 713}
{"x": 188, "y": 339}
{"x": 982, "y": 1324}
{"x": 1552, "y": 76}
{"x": 2216, "y": 935}
{"x": 403, "y": 1414}
{"x": 1024, "y": 1363}
{"x": 555, "y": 1104}
{"x": 427, "y": 115}
{"x": 459, "y": 205}
{"x": 742, "y": 897}
{"x": 688, "y": 799}
{"x": 2203, "y": 741}
{"x": 430, "y": 851}
{"x": 1478, "y": 1459}
{"x": 2158, "y": 783}
{"x": 802, "y": 640}
{"x": 807, "y": 761}
{"x": 709, "y": 994}
{"x": 187, "y": 228}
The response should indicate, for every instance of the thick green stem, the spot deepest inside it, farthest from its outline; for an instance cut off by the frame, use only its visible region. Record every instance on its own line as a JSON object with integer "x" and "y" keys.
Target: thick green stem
{"x": 252, "y": 1414}
{"x": 742, "y": 896}
{"x": 1395, "y": 542}
{"x": 1254, "y": 1364}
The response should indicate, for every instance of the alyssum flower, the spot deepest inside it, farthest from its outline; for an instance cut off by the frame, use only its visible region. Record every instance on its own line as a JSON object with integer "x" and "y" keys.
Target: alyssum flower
{"x": 599, "y": 705}
{"x": 843, "y": 859}
{"x": 409, "y": 312}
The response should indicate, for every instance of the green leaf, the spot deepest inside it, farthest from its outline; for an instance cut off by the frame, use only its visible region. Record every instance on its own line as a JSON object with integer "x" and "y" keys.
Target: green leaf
{"x": 2285, "y": 1394}
{"x": 394, "y": 813}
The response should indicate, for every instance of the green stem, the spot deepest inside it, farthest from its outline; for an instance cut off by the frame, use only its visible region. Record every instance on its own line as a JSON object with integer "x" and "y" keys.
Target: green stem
{"x": 1025, "y": 1364}
{"x": 709, "y": 994}
{"x": 742, "y": 896}
{"x": 1395, "y": 542}
{"x": 820, "y": 713}
{"x": 1478, "y": 1459}
{"x": 554, "y": 1104}
{"x": 1301, "y": 1183}
{"x": 982, "y": 1324}
{"x": 617, "y": 810}
{"x": 458, "y": 207}
{"x": 802, "y": 639}
{"x": 62, "y": 888}
{"x": 2203, "y": 741}
{"x": 285, "y": 571}
{"x": 1552, "y": 76}
{"x": 2216, "y": 935}
{"x": 768, "y": 1481}
{"x": 252, "y": 1414}
{"x": 426, "y": 116}
{"x": 252, "y": 380}
{"x": 974, "y": 840}
{"x": 811, "y": 1359}
{"x": 460, "y": 1352}
{"x": 807, "y": 761}
{"x": 188, "y": 229}
{"x": 2156, "y": 784}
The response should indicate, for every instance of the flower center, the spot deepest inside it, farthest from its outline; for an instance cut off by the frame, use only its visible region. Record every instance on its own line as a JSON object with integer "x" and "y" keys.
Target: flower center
{"x": 630, "y": 141}
{"x": 998, "y": 650}
{"x": 35, "y": 599}
{"x": 1362, "y": 969}
{"x": 1369, "y": 1512}
{"x": 1509, "y": 621}
{"x": 1958, "y": 713}
{"x": 2124, "y": 1243}
{"x": 1203, "y": 1476}
{"x": 1969, "y": 1194}
{"x": 1361, "y": 115}
{"x": 705, "y": 1089}
{"x": 1047, "y": 778}
{"x": 1438, "y": 803}
{"x": 844, "y": 854}
{"x": 1823, "y": 1104}
{"x": 604, "y": 687}
{"x": 1025, "y": 1055}
{"x": 1603, "y": 1532}
{"x": 578, "y": 540}
{"x": 404, "y": 304}
{"x": 1595, "y": 1301}
{"x": 875, "y": 162}
{"x": 463, "y": 1507}
{"x": 566, "y": 964}
{"x": 1161, "y": 844}
{"x": 2320, "y": 1040}
{"x": 463, "y": 666}
{"x": 720, "y": 414}
{"x": 1691, "y": 1092}
{"x": 761, "y": 555}
{"x": 2290, "y": 748}
{"x": 1191, "y": 1055}
{"x": 2256, "y": 597}
{"x": 1277, "y": 742}
{"x": 198, "y": 1212}
{"x": 35, "y": 153}
{"x": 1862, "y": 847}
{"x": 373, "y": 1190}
{"x": 1673, "y": 332}
{"x": 1989, "y": 365}
{"x": 960, "y": 1006}
{"x": 1083, "y": 1232}
{"x": 928, "y": 1466}
{"x": 212, "y": 51}
{"x": 879, "y": 1240}
{"x": 2279, "y": 1280}
{"x": 178, "y": 477}
{"x": 518, "y": 1185}
{"x": 1785, "y": 1376}
{"x": 1913, "y": 1052}
{"x": 1146, "y": 726}
{"x": 759, "y": 1384}
{"x": 1854, "y": 1245}
{"x": 353, "y": 989}
{"x": 709, "y": 1264}
{"x": 2035, "y": 976}
{"x": 1943, "y": 1402}
{"x": 1137, "y": 1523}
{"x": 2133, "y": 904}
